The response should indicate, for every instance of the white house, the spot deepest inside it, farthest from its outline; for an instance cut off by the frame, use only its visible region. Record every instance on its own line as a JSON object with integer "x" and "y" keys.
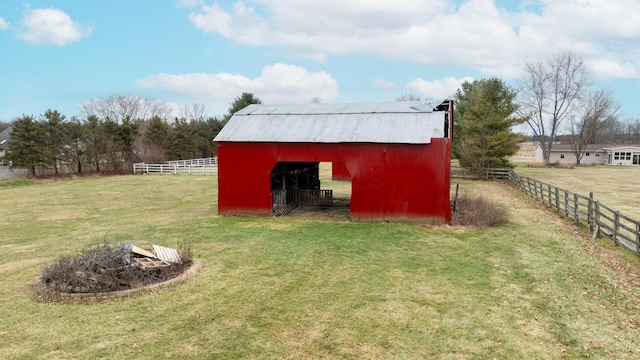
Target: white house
{"x": 4, "y": 142}
{"x": 594, "y": 154}
{"x": 623, "y": 155}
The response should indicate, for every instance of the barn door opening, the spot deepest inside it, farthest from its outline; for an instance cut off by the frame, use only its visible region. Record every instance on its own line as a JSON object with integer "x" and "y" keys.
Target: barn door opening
{"x": 297, "y": 185}
{"x": 293, "y": 183}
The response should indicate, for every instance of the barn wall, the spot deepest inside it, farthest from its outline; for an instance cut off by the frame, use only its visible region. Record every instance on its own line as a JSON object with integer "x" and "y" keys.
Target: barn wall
{"x": 389, "y": 181}
{"x": 339, "y": 171}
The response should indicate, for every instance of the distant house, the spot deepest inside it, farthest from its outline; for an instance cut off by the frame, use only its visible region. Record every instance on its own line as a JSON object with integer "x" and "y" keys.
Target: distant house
{"x": 4, "y": 141}
{"x": 594, "y": 154}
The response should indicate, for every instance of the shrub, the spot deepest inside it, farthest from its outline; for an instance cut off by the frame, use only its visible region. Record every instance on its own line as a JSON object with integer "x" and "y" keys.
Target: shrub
{"x": 476, "y": 211}
{"x": 537, "y": 164}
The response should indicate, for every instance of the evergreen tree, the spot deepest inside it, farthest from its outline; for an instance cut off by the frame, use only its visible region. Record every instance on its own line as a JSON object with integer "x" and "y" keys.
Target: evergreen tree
{"x": 157, "y": 133}
{"x": 28, "y": 144}
{"x": 240, "y": 103}
{"x": 56, "y": 141}
{"x": 205, "y": 132}
{"x": 484, "y": 117}
{"x": 74, "y": 153}
{"x": 95, "y": 141}
{"x": 183, "y": 142}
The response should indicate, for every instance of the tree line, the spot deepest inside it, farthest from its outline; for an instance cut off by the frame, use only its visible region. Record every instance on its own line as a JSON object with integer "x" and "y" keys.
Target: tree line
{"x": 114, "y": 133}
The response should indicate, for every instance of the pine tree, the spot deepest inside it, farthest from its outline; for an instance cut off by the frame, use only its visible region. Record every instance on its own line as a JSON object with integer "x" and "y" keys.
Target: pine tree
{"x": 28, "y": 144}
{"x": 484, "y": 117}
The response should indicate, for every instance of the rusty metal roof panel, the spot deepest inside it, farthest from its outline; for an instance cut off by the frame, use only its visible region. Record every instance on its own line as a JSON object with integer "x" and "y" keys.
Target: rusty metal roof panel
{"x": 393, "y": 122}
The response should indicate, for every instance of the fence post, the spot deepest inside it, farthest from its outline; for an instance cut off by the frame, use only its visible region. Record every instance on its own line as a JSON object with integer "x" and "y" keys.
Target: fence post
{"x": 637, "y": 238}
{"x": 575, "y": 208}
{"x": 589, "y": 211}
{"x": 549, "y": 195}
{"x": 566, "y": 203}
{"x": 557, "y": 200}
{"x": 529, "y": 186}
{"x": 616, "y": 225}
{"x": 542, "y": 192}
{"x": 597, "y": 217}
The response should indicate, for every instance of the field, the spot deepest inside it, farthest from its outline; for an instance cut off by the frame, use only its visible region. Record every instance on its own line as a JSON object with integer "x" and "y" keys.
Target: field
{"x": 618, "y": 187}
{"x": 305, "y": 287}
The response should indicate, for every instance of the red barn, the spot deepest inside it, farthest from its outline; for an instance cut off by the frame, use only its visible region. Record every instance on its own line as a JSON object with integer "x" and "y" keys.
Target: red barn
{"x": 396, "y": 154}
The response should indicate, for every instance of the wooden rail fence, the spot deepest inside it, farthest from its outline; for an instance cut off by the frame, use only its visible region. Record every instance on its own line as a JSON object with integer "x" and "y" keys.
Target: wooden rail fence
{"x": 601, "y": 219}
{"x": 491, "y": 173}
{"x": 175, "y": 168}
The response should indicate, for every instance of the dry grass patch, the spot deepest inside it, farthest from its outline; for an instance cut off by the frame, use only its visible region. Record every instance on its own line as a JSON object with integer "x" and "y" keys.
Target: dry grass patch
{"x": 615, "y": 186}
{"x": 478, "y": 211}
{"x": 536, "y": 164}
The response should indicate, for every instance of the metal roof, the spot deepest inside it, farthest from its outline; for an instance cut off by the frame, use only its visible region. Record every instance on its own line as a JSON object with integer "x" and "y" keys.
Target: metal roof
{"x": 390, "y": 122}
{"x": 5, "y": 136}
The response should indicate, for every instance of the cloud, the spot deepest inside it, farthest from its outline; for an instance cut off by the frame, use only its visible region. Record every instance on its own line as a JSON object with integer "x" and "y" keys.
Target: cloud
{"x": 278, "y": 83}
{"x": 474, "y": 33}
{"x": 4, "y": 24}
{"x": 611, "y": 68}
{"x": 438, "y": 89}
{"x": 51, "y": 26}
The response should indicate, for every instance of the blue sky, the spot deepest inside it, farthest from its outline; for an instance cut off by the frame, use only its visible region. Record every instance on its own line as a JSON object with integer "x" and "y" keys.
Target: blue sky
{"x": 61, "y": 54}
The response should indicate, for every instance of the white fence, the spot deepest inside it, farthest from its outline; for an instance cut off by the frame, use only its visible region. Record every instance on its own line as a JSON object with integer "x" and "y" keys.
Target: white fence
{"x": 206, "y": 166}
{"x": 201, "y": 162}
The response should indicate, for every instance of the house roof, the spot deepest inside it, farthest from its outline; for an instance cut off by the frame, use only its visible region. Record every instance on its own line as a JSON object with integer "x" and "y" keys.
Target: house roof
{"x": 592, "y": 147}
{"x": 4, "y": 138}
{"x": 387, "y": 122}
{"x": 621, "y": 147}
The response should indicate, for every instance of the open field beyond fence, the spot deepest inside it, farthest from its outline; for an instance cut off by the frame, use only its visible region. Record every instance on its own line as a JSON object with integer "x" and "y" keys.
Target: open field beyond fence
{"x": 616, "y": 186}
{"x": 292, "y": 288}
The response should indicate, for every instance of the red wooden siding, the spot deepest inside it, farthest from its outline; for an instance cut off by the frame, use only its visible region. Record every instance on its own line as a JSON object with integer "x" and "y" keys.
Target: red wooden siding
{"x": 389, "y": 181}
{"x": 339, "y": 171}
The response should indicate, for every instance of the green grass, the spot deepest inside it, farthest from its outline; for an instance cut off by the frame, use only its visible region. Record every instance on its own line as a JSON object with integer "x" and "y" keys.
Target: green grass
{"x": 307, "y": 287}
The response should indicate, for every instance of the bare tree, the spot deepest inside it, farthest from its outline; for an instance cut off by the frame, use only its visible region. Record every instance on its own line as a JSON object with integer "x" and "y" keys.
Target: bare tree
{"x": 315, "y": 100}
{"x": 120, "y": 107}
{"x": 408, "y": 97}
{"x": 625, "y": 132}
{"x": 194, "y": 112}
{"x": 549, "y": 92}
{"x": 593, "y": 116}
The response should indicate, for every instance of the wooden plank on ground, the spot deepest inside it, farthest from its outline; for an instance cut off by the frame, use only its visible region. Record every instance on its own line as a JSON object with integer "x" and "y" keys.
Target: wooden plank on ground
{"x": 167, "y": 254}
{"x": 148, "y": 263}
{"x": 143, "y": 252}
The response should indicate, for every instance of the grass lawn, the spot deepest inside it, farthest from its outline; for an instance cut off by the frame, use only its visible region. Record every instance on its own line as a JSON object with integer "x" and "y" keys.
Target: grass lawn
{"x": 296, "y": 288}
{"x": 618, "y": 187}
